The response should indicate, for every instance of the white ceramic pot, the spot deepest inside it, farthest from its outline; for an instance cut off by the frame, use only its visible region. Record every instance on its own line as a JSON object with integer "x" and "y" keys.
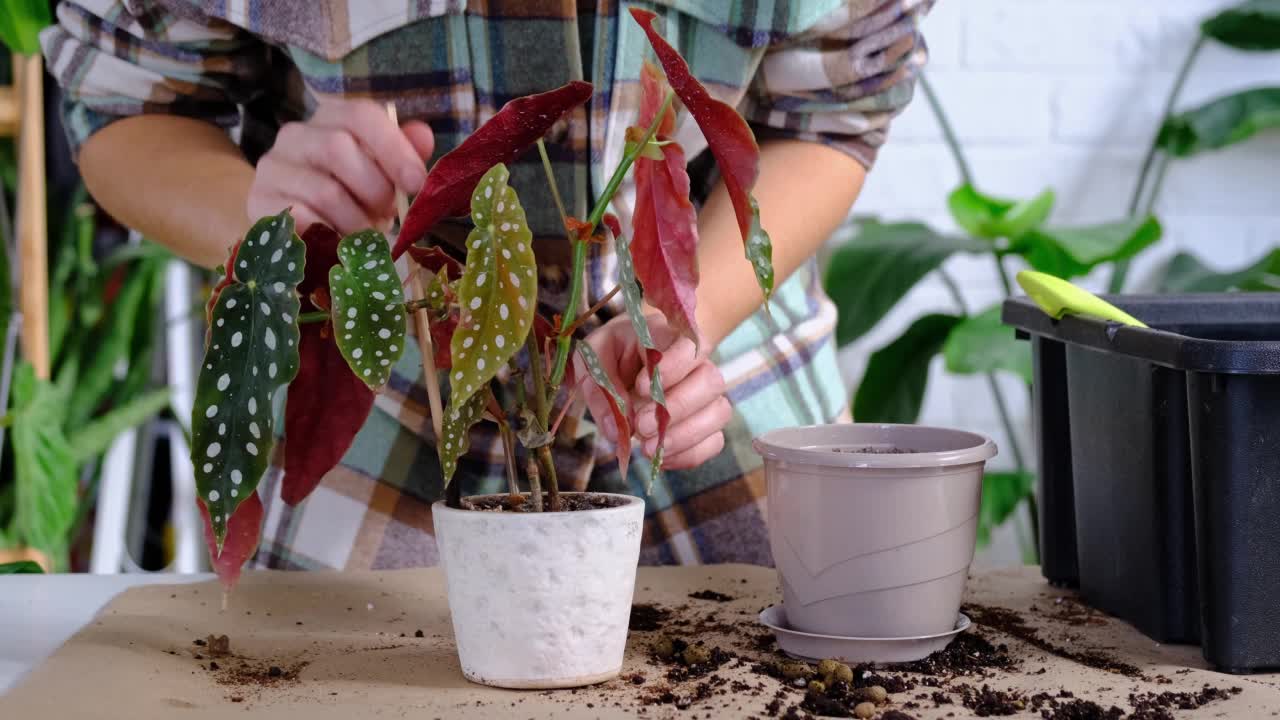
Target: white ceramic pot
{"x": 873, "y": 545}
{"x": 540, "y": 600}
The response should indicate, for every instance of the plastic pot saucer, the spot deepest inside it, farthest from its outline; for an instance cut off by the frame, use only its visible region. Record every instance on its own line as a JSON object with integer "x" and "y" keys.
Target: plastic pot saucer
{"x": 814, "y": 648}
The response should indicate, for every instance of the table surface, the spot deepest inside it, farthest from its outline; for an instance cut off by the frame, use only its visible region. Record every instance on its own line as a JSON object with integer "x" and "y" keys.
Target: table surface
{"x": 40, "y": 612}
{"x": 351, "y": 638}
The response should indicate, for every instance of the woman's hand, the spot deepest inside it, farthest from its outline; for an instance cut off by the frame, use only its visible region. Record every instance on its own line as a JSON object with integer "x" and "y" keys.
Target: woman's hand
{"x": 693, "y": 385}
{"x": 341, "y": 167}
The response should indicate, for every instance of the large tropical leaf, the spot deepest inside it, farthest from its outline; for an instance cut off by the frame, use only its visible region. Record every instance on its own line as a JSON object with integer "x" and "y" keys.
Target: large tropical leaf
{"x": 1002, "y": 492}
{"x": 731, "y": 143}
{"x": 498, "y": 289}
{"x": 1068, "y": 252}
{"x": 92, "y": 439}
{"x": 45, "y": 470}
{"x": 368, "y": 307}
{"x": 1185, "y": 273}
{"x": 513, "y": 130}
{"x": 1250, "y": 25}
{"x": 892, "y": 388}
{"x": 990, "y": 217}
{"x": 1221, "y": 122}
{"x": 869, "y": 274}
{"x": 21, "y": 23}
{"x": 327, "y": 404}
{"x": 253, "y": 350}
{"x": 983, "y": 344}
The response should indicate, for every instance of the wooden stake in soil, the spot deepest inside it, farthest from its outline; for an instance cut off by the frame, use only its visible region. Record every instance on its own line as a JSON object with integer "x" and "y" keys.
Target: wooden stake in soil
{"x": 32, "y": 225}
{"x": 421, "y": 319}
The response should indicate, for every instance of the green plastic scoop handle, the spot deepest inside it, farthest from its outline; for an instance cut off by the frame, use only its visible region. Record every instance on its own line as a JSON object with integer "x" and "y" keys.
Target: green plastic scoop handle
{"x": 1057, "y": 297}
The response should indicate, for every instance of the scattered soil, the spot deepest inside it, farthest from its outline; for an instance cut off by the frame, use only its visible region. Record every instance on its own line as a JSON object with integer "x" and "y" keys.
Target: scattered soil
{"x": 1158, "y": 706}
{"x": 246, "y": 674}
{"x": 569, "y": 502}
{"x": 988, "y": 702}
{"x": 710, "y": 595}
{"x": 1012, "y": 623}
{"x": 218, "y": 646}
{"x": 646, "y": 618}
{"x": 968, "y": 654}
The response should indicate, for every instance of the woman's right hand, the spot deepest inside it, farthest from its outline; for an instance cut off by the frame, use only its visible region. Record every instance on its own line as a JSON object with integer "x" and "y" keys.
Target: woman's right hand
{"x": 341, "y": 167}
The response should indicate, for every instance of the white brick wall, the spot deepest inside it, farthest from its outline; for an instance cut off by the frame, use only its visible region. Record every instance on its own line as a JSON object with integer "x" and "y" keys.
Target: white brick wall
{"x": 1065, "y": 94}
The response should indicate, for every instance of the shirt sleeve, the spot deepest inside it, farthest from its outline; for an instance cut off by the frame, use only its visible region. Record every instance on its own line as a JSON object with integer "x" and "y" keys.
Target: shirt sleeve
{"x": 119, "y": 58}
{"x": 841, "y": 82}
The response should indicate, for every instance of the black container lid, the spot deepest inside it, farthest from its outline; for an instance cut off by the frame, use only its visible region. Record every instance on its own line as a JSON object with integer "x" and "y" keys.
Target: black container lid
{"x": 1235, "y": 333}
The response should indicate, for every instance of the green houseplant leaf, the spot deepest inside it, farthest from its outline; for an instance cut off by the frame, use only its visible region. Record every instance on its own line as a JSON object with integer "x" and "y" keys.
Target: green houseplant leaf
{"x": 990, "y": 217}
{"x": 21, "y": 23}
{"x": 252, "y": 351}
{"x": 498, "y": 289}
{"x": 1221, "y": 122}
{"x": 871, "y": 272}
{"x": 983, "y": 344}
{"x": 1251, "y": 25}
{"x": 1184, "y": 273}
{"x": 1068, "y": 252}
{"x": 368, "y": 307}
{"x": 892, "y": 388}
{"x": 92, "y": 439}
{"x": 1001, "y": 494}
{"x": 44, "y": 469}
{"x": 456, "y": 432}
{"x": 630, "y": 287}
{"x": 22, "y": 567}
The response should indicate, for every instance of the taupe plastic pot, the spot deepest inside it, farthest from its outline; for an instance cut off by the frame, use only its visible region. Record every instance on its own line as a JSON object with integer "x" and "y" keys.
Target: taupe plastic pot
{"x": 873, "y": 544}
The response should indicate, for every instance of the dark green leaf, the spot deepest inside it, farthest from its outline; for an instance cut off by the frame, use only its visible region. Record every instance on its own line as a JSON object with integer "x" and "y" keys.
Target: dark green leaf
{"x": 1221, "y": 122}
{"x": 498, "y": 289}
{"x": 990, "y": 217}
{"x": 44, "y": 469}
{"x": 1186, "y": 274}
{"x": 457, "y": 431}
{"x": 22, "y": 567}
{"x": 1001, "y": 494}
{"x": 760, "y": 251}
{"x": 253, "y": 350}
{"x": 983, "y": 344}
{"x": 92, "y": 439}
{"x": 892, "y": 388}
{"x": 1251, "y": 25}
{"x": 368, "y": 307}
{"x": 21, "y": 23}
{"x": 870, "y": 273}
{"x": 1073, "y": 251}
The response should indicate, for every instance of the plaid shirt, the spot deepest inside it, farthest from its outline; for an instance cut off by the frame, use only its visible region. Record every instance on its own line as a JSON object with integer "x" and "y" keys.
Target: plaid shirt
{"x": 820, "y": 70}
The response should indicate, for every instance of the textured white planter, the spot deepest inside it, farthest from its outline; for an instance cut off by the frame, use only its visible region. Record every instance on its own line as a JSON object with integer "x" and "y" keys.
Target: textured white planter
{"x": 867, "y": 544}
{"x": 540, "y": 600}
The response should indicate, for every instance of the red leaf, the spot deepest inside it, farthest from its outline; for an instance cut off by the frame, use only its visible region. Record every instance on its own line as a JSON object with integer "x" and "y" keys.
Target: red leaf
{"x": 243, "y": 530}
{"x": 433, "y": 258}
{"x": 651, "y": 359}
{"x": 514, "y": 129}
{"x": 623, "y": 424}
{"x": 728, "y": 136}
{"x": 326, "y": 404}
{"x": 664, "y": 244}
{"x": 442, "y": 338}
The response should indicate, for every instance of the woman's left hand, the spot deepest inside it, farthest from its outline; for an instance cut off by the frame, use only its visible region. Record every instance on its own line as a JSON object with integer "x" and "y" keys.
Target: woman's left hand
{"x": 693, "y": 385}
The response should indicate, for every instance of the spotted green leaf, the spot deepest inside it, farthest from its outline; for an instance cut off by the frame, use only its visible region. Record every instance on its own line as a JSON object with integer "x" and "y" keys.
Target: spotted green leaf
{"x": 617, "y": 406}
{"x": 457, "y": 431}
{"x": 760, "y": 250}
{"x": 663, "y": 415}
{"x": 368, "y": 307}
{"x": 498, "y": 288}
{"x": 631, "y": 291}
{"x": 252, "y": 350}
{"x": 439, "y": 292}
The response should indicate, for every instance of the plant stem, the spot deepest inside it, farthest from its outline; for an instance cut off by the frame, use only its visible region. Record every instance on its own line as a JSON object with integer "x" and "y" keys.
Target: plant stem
{"x": 553, "y": 483}
{"x": 1002, "y": 408}
{"x": 591, "y": 311}
{"x": 555, "y": 191}
{"x": 948, "y": 133}
{"x": 535, "y": 482}
{"x": 1004, "y": 279}
{"x": 318, "y": 316}
{"x": 542, "y": 408}
{"x": 597, "y": 214}
{"x": 509, "y": 449}
{"x": 1121, "y": 271}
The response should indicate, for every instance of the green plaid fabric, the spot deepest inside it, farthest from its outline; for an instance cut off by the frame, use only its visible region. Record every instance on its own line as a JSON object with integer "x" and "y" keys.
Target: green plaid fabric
{"x": 820, "y": 70}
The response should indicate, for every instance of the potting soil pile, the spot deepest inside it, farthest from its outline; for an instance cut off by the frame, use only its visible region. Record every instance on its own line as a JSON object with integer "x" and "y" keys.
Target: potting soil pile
{"x": 330, "y": 645}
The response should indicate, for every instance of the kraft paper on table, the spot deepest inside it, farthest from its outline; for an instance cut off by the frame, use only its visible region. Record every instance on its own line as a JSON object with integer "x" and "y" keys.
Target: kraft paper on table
{"x": 137, "y": 659}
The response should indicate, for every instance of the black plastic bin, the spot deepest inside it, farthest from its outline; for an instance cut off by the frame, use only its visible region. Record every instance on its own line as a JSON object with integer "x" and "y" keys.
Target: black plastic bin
{"x": 1159, "y": 452}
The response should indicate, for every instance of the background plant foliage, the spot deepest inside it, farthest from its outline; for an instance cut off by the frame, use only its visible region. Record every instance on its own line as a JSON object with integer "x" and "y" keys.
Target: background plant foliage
{"x": 104, "y": 322}
{"x": 870, "y": 273}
